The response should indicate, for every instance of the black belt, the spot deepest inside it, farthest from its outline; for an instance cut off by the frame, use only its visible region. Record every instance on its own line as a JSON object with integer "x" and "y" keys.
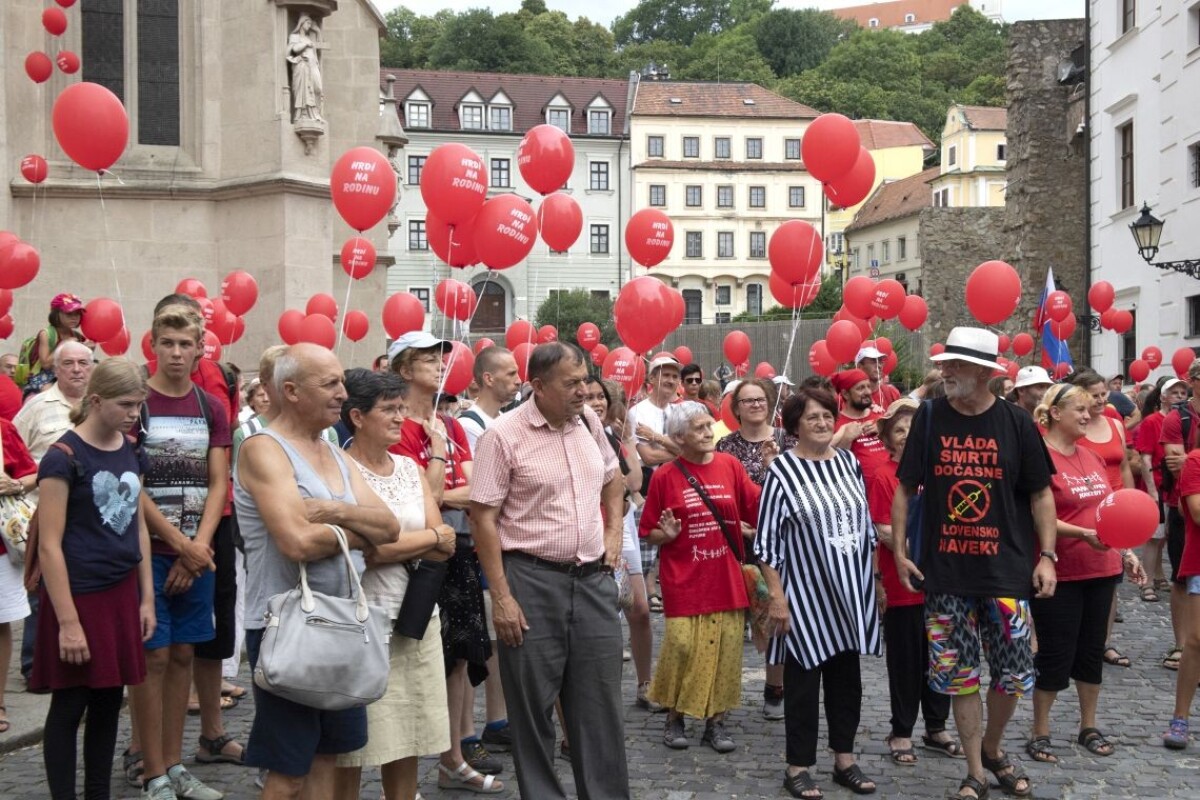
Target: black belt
{"x": 572, "y": 568}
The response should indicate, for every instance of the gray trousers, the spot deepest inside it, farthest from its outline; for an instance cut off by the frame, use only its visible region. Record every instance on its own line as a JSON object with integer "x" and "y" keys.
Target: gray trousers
{"x": 571, "y": 651}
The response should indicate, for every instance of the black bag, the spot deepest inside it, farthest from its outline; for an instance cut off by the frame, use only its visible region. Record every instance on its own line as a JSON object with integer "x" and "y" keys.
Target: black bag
{"x": 914, "y": 526}
{"x": 424, "y": 586}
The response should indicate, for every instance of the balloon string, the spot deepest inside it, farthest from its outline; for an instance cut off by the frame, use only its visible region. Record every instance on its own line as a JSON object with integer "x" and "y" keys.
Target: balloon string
{"x": 345, "y": 310}
{"x": 787, "y": 361}
{"x": 108, "y": 244}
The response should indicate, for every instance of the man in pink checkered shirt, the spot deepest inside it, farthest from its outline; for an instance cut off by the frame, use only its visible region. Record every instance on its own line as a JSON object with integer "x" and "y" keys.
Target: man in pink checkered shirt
{"x": 546, "y": 514}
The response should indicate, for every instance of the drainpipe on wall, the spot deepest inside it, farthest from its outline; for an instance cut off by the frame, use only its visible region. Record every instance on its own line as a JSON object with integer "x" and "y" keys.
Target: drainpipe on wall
{"x": 1087, "y": 173}
{"x": 620, "y": 232}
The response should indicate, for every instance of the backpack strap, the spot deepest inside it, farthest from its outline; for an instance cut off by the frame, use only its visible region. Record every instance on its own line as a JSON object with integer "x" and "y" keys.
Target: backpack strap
{"x": 470, "y": 414}
{"x": 738, "y": 555}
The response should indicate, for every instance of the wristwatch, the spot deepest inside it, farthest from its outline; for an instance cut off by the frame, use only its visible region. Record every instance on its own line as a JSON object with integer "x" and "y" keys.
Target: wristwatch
{"x": 1050, "y": 554}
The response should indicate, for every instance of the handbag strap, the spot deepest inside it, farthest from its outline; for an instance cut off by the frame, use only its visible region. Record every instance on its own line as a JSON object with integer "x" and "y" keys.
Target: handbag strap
{"x": 712, "y": 508}
{"x": 361, "y": 612}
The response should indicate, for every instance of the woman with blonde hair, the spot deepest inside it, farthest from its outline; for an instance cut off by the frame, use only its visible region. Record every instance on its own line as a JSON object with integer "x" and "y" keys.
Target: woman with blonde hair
{"x": 97, "y": 595}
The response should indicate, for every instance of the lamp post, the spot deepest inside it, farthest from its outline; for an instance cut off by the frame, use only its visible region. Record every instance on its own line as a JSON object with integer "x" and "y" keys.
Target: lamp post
{"x": 1147, "y": 231}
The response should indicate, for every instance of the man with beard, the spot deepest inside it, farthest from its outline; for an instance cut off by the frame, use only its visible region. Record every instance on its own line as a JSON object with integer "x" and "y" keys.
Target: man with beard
{"x": 986, "y": 540}
{"x": 854, "y": 429}
{"x": 870, "y": 361}
{"x": 1031, "y": 384}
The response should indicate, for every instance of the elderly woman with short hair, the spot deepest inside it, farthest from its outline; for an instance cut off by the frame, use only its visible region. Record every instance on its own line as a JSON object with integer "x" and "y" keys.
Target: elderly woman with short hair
{"x": 694, "y": 510}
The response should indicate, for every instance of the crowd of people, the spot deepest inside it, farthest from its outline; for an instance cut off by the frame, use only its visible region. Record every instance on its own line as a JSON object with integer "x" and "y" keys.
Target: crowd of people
{"x": 507, "y": 533}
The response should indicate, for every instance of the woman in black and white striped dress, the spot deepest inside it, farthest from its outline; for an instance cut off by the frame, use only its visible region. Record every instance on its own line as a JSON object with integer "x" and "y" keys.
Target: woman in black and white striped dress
{"x": 816, "y": 543}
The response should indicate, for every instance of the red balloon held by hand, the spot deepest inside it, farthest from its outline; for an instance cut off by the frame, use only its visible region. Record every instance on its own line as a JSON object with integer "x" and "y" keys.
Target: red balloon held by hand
{"x": 102, "y": 319}
{"x": 460, "y": 364}
{"x": 1181, "y": 360}
{"x": 6, "y": 301}
{"x": 588, "y": 336}
{"x": 212, "y": 346}
{"x": 820, "y": 360}
{"x": 1101, "y": 296}
{"x": 192, "y": 288}
{"x": 239, "y": 290}
{"x": 520, "y": 332}
{"x": 505, "y": 230}
{"x": 1153, "y": 356}
{"x": 363, "y": 187}
{"x": 453, "y": 183}
{"x": 1126, "y": 518}
{"x": 649, "y": 237}
{"x": 599, "y": 353}
{"x": 560, "y": 221}
{"x": 626, "y": 368}
{"x": 830, "y": 147}
{"x": 454, "y": 245}
{"x": 643, "y": 313}
{"x": 521, "y": 353}
{"x": 736, "y": 347}
{"x": 547, "y": 334}
{"x": 914, "y": 313}
{"x": 358, "y": 257}
{"x": 683, "y": 354}
{"x": 1139, "y": 370}
{"x": 355, "y": 325}
{"x": 1022, "y": 344}
{"x": 402, "y": 312}
{"x": 54, "y": 21}
{"x": 6, "y": 326}
{"x": 482, "y": 344}
{"x": 993, "y": 292}
{"x": 318, "y": 329}
{"x": 795, "y": 251}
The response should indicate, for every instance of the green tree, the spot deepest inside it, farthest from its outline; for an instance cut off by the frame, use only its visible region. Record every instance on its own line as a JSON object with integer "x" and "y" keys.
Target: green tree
{"x": 566, "y": 311}
{"x": 592, "y": 49}
{"x": 681, "y": 21}
{"x": 636, "y": 56}
{"x": 729, "y": 56}
{"x": 410, "y": 38}
{"x": 826, "y": 304}
{"x": 794, "y": 40}
{"x": 555, "y": 31}
{"x": 478, "y": 41}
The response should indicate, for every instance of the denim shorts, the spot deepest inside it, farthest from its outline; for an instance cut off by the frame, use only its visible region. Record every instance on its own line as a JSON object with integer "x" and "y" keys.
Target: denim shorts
{"x": 185, "y": 618}
{"x": 1193, "y": 584}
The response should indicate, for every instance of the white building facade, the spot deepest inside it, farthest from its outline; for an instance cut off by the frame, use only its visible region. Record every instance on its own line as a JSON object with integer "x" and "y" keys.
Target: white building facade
{"x": 1145, "y": 148}
{"x": 490, "y": 113}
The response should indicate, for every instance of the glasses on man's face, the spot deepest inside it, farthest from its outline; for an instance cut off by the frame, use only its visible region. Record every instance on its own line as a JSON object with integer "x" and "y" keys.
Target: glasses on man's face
{"x": 693, "y": 380}
{"x": 753, "y": 401}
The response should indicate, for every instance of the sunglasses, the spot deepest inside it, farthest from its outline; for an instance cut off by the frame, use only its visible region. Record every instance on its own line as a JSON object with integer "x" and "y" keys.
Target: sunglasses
{"x": 693, "y": 380}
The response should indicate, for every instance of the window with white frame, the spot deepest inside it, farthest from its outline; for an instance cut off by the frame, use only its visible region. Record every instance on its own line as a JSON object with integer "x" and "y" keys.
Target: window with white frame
{"x": 758, "y": 197}
{"x": 722, "y": 147}
{"x": 754, "y": 149}
{"x": 910, "y": 19}
{"x": 654, "y": 147}
{"x": 416, "y": 235}
{"x": 1002, "y": 151}
{"x": 724, "y": 294}
{"x": 754, "y": 298}
{"x": 658, "y": 195}
{"x": 901, "y": 248}
{"x": 1128, "y": 15}
{"x": 870, "y": 255}
{"x": 599, "y": 176}
{"x": 1125, "y": 162}
{"x": 724, "y": 244}
{"x": 795, "y": 197}
{"x": 691, "y": 147}
{"x": 500, "y": 118}
{"x": 725, "y": 196}
{"x": 415, "y": 165}
{"x": 416, "y": 115}
{"x": 872, "y": 23}
{"x": 501, "y": 176}
{"x": 885, "y": 252}
{"x": 791, "y": 149}
{"x": 599, "y": 239}
{"x": 693, "y": 196}
{"x": 422, "y": 295}
{"x": 559, "y": 118}
{"x": 599, "y": 121}
{"x": 1193, "y": 154}
{"x": 472, "y": 117}
{"x": 758, "y": 244}
{"x": 952, "y": 155}
{"x": 693, "y": 244}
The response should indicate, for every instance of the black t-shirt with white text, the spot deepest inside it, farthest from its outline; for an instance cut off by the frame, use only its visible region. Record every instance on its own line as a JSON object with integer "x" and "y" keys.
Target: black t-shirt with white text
{"x": 980, "y": 539}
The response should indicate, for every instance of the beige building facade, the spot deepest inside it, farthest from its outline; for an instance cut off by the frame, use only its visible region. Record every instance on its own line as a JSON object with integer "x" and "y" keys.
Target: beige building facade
{"x": 217, "y": 174}
{"x": 974, "y": 158}
{"x": 883, "y": 240}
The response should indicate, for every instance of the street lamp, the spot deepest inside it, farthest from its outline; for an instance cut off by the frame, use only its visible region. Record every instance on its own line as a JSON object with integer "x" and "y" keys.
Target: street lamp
{"x": 1147, "y": 231}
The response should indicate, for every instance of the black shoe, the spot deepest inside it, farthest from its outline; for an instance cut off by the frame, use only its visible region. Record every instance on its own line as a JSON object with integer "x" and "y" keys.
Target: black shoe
{"x": 480, "y": 759}
{"x": 497, "y": 740}
{"x": 716, "y": 737}
{"x": 673, "y": 735}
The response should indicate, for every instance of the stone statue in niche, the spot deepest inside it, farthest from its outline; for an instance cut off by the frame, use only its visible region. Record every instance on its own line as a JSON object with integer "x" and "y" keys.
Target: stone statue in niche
{"x": 303, "y": 54}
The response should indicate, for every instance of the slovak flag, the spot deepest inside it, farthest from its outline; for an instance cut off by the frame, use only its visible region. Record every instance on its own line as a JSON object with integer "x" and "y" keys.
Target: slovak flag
{"x": 1054, "y": 350}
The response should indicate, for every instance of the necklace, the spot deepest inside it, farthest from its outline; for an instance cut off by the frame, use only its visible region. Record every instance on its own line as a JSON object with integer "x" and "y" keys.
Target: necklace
{"x": 1078, "y": 463}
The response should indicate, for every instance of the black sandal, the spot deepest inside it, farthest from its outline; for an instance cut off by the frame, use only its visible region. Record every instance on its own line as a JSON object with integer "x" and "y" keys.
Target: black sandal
{"x": 800, "y": 783}
{"x": 1009, "y": 780}
{"x": 212, "y": 751}
{"x": 1040, "y": 750}
{"x": 852, "y": 778}
{"x": 975, "y": 785}
{"x": 905, "y": 757}
{"x": 1117, "y": 659}
{"x": 948, "y": 748}
{"x": 131, "y": 765}
{"x": 1095, "y": 742}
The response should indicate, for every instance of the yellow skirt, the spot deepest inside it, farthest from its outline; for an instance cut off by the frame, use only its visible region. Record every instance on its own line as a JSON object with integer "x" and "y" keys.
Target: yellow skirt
{"x": 699, "y": 670}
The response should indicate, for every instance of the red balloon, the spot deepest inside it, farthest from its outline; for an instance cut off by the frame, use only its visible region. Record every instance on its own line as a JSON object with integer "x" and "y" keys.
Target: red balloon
{"x": 1181, "y": 360}
{"x": 598, "y": 354}
{"x": 764, "y": 370}
{"x": 683, "y": 354}
{"x": 1122, "y": 321}
{"x": 455, "y": 299}
{"x": 857, "y": 296}
{"x": 460, "y": 364}
{"x": 675, "y": 298}
{"x": 118, "y": 345}
{"x": 38, "y": 66}
{"x": 91, "y": 125}
{"x": 795, "y": 251}
{"x": 1061, "y": 370}
{"x": 890, "y": 363}
{"x": 323, "y": 304}
{"x": 588, "y": 336}
{"x": 363, "y": 187}
{"x": 19, "y": 264}
{"x": 914, "y": 313}
{"x": 67, "y": 61}
{"x": 402, "y": 313}
{"x": 1152, "y": 356}
{"x": 521, "y": 353}
{"x": 736, "y": 347}
{"x": 545, "y": 158}
{"x": 741, "y": 369}
{"x": 936, "y": 349}
{"x": 355, "y": 325}
{"x": 1004, "y": 343}
{"x": 1022, "y": 344}
{"x": 453, "y": 245}
{"x": 65, "y": 3}
{"x": 626, "y": 368}
{"x": 212, "y": 347}
{"x": 520, "y": 332}
{"x": 547, "y": 334}
{"x": 1126, "y": 518}
{"x": 358, "y": 257}
{"x": 6, "y": 301}
{"x": 819, "y": 359}
{"x": 1101, "y": 296}
{"x": 649, "y": 236}
{"x": 483, "y": 344}
{"x": 887, "y": 299}
{"x": 505, "y": 230}
{"x": 1106, "y": 319}
{"x": 239, "y": 329}
{"x": 830, "y": 147}
{"x": 853, "y": 187}
{"x": 318, "y": 328}
{"x": 147, "y": 346}
{"x": 560, "y": 220}
{"x": 843, "y": 340}
{"x": 224, "y": 324}
{"x": 453, "y": 183}
{"x": 1139, "y": 370}
{"x": 34, "y": 169}
{"x": 192, "y": 288}
{"x": 793, "y": 295}
{"x": 643, "y": 313}
{"x": 239, "y": 291}
{"x": 883, "y": 345}
{"x": 6, "y": 326}
{"x": 993, "y": 292}
{"x": 55, "y": 23}
{"x": 1058, "y": 306}
{"x": 726, "y": 413}
{"x": 1063, "y": 330}
{"x": 864, "y": 326}
{"x": 102, "y": 319}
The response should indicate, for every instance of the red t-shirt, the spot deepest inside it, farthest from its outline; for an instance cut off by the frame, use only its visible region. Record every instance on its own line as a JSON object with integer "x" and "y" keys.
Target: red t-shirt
{"x": 697, "y": 571}
{"x": 17, "y": 461}
{"x": 1189, "y": 484}
{"x": 414, "y": 443}
{"x": 1147, "y": 440}
{"x": 1112, "y": 453}
{"x": 10, "y": 398}
{"x": 1079, "y": 485}
{"x": 883, "y": 397}
{"x": 881, "y": 490}
{"x": 868, "y": 448}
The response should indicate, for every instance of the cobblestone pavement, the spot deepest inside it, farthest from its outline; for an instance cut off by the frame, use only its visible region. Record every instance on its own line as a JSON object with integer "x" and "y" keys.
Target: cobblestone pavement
{"x": 1134, "y": 709}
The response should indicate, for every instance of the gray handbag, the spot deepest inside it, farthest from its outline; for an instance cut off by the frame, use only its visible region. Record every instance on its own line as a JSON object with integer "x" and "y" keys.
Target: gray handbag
{"x": 324, "y": 652}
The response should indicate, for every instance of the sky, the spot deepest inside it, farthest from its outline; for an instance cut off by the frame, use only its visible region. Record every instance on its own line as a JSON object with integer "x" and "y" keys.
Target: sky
{"x": 1013, "y": 10}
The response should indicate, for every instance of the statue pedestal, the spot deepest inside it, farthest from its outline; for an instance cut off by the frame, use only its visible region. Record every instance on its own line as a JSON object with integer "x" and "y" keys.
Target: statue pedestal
{"x": 309, "y": 132}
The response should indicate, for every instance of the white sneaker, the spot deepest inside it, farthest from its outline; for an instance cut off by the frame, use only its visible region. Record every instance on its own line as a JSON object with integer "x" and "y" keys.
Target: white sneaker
{"x": 159, "y": 789}
{"x": 189, "y": 787}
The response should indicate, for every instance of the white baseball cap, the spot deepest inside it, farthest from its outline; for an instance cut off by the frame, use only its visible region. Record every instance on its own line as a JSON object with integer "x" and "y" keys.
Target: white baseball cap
{"x": 415, "y": 340}
{"x": 729, "y": 387}
{"x": 782, "y": 380}
{"x": 1032, "y": 376}
{"x": 662, "y": 361}
{"x": 869, "y": 351}
{"x": 975, "y": 345}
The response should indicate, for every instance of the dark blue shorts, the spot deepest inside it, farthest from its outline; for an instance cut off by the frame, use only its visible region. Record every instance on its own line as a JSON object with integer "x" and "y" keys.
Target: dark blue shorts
{"x": 181, "y": 618}
{"x": 286, "y": 736}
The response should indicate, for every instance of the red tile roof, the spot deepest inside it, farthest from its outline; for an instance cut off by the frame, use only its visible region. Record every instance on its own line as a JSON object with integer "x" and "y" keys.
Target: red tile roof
{"x": 880, "y": 134}
{"x": 530, "y": 95}
{"x": 703, "y": 99}
{"x": 895, "y": 200}
{"x": 985, "y": 118}
{"x": 893, "y": 14}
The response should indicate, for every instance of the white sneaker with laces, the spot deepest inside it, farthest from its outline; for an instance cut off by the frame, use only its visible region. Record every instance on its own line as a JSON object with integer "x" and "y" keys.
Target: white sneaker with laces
{"x": 189, "y": 787}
